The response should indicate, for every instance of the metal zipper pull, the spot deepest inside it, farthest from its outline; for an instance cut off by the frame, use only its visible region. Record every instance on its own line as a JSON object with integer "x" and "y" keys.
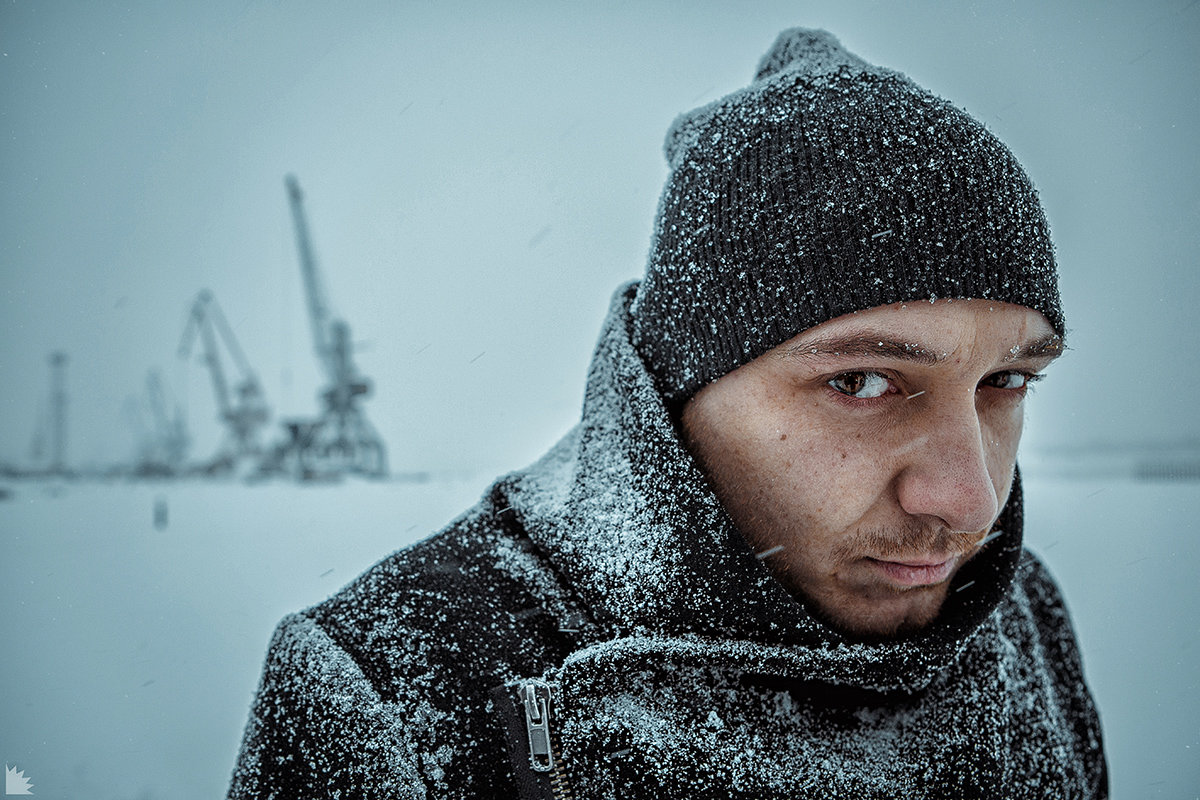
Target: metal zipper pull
{"x": 535, "y": 695}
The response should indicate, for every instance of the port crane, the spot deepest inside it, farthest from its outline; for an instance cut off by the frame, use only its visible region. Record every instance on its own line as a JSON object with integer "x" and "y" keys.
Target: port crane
{"x": 163, "y": 444}
{"x": 243, "y": 411}
{"x": 54, "y": 427}
{"x": 341, "y": 439}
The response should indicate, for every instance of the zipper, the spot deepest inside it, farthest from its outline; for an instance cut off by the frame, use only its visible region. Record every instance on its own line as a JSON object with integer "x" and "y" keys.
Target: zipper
{"x": 537, "y": 698}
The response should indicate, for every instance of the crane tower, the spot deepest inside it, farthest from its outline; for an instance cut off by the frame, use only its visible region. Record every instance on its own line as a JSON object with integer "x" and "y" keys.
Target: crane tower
{"x": 341, "y": 439}
{"x": 163, "y": 441}
{"x": 243, "y": 412}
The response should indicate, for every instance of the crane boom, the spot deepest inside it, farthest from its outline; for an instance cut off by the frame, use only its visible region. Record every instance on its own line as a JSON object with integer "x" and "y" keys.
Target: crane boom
{"x": 198, "y": 318}
{"x": 244, "y": 410}
{"x": 318, "y": 307}
{"x": 58, "y": 406}
{"x": 341, "y": 439}
{"x": 226, "y": 333}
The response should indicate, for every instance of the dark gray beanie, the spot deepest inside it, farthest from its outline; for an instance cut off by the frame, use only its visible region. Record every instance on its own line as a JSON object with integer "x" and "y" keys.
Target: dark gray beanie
{"x": 827, "y": 186}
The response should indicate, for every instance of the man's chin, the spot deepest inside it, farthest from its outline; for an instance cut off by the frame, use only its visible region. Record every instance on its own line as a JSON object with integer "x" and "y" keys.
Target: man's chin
{"x": 891, "y": 617}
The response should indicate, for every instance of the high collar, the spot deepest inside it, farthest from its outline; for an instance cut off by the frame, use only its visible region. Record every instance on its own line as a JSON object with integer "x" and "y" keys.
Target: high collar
{"x": 623, "y": 512}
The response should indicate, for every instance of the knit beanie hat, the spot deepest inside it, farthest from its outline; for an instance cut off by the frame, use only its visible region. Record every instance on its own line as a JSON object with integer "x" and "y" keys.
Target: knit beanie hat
{"x": 827, "y": 186}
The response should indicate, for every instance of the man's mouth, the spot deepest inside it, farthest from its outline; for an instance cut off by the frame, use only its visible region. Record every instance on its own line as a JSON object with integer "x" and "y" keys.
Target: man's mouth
{"x": 916, "y": 571}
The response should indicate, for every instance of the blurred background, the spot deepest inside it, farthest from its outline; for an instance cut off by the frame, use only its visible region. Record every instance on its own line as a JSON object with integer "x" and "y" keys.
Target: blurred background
{"x": 201, "y": 429}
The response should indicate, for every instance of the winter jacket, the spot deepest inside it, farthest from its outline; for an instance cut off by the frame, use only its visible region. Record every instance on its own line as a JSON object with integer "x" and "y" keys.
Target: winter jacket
{"x": 596, "y": 627}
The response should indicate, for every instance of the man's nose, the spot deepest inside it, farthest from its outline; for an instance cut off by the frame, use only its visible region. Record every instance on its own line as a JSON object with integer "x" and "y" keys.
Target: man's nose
{"x": 946, "y": 477}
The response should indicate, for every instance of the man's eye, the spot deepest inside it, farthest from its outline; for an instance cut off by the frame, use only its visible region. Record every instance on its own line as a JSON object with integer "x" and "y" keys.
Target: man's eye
{"x": 1011, "y": 380}
{"x": 863, "y": 385}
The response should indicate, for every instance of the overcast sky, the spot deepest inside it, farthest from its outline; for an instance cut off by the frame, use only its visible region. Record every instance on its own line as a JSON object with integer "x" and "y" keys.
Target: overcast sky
{"x": 481, "y": 176}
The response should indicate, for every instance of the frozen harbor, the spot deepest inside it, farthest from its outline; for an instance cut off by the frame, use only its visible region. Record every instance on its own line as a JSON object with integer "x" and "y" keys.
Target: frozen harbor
{"x": 481, "y": 178}
{"x": 132, "y": 649}
{"x": 132, "y": 652}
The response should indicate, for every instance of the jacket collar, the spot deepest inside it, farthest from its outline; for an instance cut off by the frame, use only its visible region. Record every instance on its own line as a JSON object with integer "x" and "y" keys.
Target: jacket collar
{"x": 623, "y": 512}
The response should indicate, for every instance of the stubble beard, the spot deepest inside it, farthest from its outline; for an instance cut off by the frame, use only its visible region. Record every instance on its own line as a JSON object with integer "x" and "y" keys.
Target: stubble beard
{"x": 858, "y": 611}
{"x": 908, "y": 540}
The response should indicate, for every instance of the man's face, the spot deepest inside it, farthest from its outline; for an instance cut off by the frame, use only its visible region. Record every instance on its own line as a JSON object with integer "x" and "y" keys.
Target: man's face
{"x": 865, "y": 458}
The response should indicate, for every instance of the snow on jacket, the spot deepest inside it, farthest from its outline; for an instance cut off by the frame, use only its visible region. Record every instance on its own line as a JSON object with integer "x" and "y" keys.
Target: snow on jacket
{"x": 603, "y": 595}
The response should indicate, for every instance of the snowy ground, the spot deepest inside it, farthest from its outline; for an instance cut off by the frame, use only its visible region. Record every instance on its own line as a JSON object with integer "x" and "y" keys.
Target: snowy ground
{"x": 130, "y": 652}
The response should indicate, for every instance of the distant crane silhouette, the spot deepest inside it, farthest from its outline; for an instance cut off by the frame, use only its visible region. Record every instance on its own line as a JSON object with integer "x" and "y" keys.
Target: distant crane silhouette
{"x": 164, "y": 442}
{"x": 243, "y": 412}
{"x": 340, "y": 439}
{"x": 54, "y": 428}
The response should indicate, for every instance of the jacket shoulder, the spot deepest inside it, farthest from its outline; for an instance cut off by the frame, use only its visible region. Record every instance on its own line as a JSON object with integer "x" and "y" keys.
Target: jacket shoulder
{"x": 426, "y": 634}
{"x": 317, "y": 726}
{"x": 1041, "y": 595}
{"x": 1041, "y": 600}
{"x": 1058, "y": 655}
{"x": 477, "y": 597}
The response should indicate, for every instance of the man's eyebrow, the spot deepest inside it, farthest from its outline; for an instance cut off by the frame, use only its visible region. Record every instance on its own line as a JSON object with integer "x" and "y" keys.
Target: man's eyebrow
{"x": 864, "y": 344}
{"x": 1051, "y": 346}
{"x": 868, "y": 345}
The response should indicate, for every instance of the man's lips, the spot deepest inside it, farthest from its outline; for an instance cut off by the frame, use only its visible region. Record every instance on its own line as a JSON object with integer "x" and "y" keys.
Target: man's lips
{"x": 916, "y": 571}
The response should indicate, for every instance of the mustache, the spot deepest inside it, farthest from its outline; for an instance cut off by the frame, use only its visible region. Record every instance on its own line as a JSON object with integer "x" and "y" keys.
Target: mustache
{"x": 905, "y": 541}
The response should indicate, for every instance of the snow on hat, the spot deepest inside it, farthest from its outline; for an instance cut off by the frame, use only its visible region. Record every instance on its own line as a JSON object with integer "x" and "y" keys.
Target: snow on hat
{"x": 827, "y": 186}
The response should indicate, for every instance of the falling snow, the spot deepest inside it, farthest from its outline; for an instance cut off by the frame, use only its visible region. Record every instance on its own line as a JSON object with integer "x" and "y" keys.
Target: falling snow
{"x": 677, "y": 660}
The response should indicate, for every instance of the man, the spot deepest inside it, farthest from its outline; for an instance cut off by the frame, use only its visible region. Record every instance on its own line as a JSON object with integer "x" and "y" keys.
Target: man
{"x": 780, "y": 556}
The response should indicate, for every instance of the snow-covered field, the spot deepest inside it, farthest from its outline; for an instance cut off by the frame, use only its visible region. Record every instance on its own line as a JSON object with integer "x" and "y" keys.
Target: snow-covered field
{"x": 131, "y": 652}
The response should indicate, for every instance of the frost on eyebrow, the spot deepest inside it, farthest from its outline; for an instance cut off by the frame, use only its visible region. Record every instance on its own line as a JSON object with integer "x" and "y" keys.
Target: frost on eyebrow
{"x": 1051, "y": 346}
{"x": 863, "y": 345}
